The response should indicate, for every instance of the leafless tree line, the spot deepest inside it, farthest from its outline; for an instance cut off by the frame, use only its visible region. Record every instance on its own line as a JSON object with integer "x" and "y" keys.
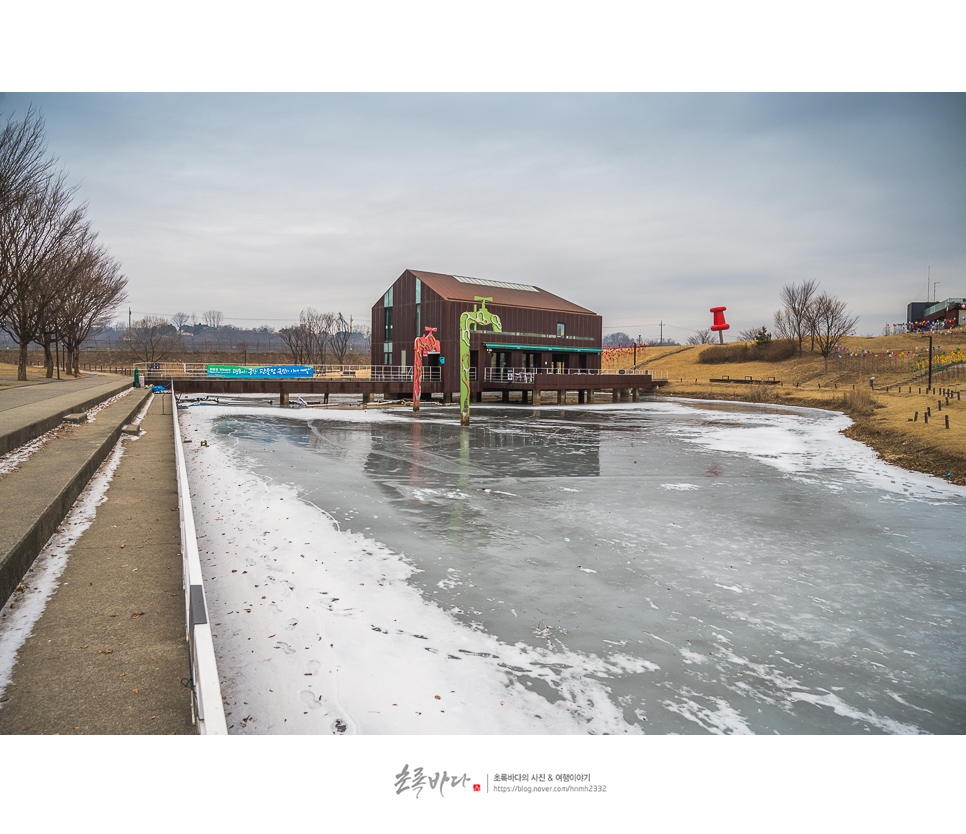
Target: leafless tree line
{"x": 318, "y": 336}
{"x": 57, "y": 282}
{"x": 808, "y": 314}
{"x": 155, "y": 338}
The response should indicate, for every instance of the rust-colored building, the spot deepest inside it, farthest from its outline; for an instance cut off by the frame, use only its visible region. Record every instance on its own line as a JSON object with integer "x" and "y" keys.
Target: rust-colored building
{"x": 541, "y": 331}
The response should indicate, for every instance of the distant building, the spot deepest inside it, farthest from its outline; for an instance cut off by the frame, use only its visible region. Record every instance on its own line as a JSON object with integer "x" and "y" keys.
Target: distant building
{"x": 915, "y": 311}
{"x": 540, "y": 330}
{"x": 941, "y": 315}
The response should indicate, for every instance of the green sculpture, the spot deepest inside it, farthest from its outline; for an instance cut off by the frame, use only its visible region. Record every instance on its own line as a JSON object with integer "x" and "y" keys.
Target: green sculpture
{"x": 479, "y": 316}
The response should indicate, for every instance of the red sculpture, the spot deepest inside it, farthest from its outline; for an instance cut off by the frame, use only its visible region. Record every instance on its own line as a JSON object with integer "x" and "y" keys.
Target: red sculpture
{"x": 423, "y": 345}
{"x": 720, "y": 325}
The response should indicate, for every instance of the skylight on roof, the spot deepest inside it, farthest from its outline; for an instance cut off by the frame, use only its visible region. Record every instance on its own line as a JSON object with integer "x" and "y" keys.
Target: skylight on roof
{"x": 487, "y": 283}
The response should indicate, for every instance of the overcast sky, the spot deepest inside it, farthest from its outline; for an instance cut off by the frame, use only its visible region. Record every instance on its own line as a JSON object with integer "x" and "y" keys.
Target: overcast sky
{"x": 643, "y": 207}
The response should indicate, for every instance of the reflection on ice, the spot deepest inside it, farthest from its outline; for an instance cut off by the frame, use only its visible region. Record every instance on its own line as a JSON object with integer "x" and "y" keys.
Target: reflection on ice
{"x": 663, "y": 567}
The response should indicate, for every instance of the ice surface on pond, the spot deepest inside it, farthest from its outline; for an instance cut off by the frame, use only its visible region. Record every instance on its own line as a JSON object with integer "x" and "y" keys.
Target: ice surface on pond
{"x": 663, "y": 567}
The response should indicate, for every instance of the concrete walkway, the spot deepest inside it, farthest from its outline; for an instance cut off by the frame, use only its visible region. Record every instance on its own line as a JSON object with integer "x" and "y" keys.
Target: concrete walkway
{"x": 28, "y": 410}
{"x": 108, "y": 654}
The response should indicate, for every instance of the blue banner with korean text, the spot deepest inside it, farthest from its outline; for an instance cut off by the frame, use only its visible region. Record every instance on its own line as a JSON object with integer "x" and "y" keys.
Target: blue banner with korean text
{"x": 264, "y": 372}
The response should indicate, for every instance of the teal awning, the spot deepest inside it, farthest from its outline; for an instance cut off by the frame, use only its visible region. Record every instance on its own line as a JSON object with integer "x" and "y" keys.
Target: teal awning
{"x": 541, "y": 348}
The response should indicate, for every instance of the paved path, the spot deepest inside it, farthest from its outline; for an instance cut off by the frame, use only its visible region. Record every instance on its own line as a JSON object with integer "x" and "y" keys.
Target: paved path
{"x": 108, "y": 654}
{"x": 28, "y": 410}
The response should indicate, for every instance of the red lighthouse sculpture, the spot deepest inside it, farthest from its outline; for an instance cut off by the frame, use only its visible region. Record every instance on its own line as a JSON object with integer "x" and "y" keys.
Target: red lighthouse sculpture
{"x": 720, "y": 325}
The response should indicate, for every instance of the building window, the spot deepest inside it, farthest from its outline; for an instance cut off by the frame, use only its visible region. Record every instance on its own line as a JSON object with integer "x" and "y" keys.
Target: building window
{"x": 387, "y": 353}
{"x": 387, "y": 336}
{"x": 387, "y": 298}
{"x": 561, "y": 329}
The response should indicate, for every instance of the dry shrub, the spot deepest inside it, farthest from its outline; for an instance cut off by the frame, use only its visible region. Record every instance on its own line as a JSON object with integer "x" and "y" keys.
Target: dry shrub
{"x": 759, "y": 393}
{"x": 777, "y": 350}
{"x": 858, "y": 401}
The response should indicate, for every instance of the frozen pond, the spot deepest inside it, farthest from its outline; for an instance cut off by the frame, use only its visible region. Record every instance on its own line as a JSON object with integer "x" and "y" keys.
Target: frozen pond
{"x": 667, "y": 567}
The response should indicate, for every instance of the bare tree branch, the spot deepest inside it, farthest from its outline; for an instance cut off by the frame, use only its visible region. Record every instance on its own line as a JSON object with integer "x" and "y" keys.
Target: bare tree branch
{"x": 341, "y": 338}
{"x": 797, "y": 300}
{"x": 24, "y": 168}
{"x": 94, "y": 290}
{"x": 701, "y": 337}
{"x": 179, "y": 320}
{"x": 213, "y": 318}
{"x": 832, "y": 321}
{"x": 153, "y": 338}
{"x": 37, "y": 233}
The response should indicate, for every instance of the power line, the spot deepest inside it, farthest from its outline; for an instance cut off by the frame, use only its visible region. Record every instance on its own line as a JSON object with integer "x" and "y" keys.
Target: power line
{"x": 224, "y": 318}
{"x": 644, "y": 326}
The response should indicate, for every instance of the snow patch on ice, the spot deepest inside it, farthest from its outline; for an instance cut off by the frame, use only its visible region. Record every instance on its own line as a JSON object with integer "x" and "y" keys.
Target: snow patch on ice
{"x": 719, "y": 717}
{"x": 362, "y": 646}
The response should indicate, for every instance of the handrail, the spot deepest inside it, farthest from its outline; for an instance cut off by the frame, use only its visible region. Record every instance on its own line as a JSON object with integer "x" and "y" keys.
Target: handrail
{"x": 377, "y": 373}
{"x": 207, "y": 707}
{"x": 525, "y": 375}
{"x": 381, "y": 373}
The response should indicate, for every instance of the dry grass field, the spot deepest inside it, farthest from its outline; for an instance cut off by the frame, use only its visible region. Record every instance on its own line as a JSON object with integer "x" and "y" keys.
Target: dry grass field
{"x": 8, "y": 375}
{"x": 884, "y": 417}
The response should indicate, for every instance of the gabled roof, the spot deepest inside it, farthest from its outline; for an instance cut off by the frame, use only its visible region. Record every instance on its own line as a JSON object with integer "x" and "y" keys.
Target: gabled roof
{"x": 463, "y": 288}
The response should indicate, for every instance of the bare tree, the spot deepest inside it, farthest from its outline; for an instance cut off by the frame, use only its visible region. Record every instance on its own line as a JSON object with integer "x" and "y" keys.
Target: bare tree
{"x": 750, "y": 335}
{"x": 94, "y": 290}
{"x": 179, "y": 320}
{"x": 341, "y": 338}
{"x": 54, "y": 282}
{"x": 213, "y": 318}
{"x": 701, "y": 337}
{"x": 24, "y": 168}
{"x": 315, "y": 335}
{"x": 832, "y": 321}
{"x": 322, "y": 325}
{"x": 37, "y": 233}
{"x": 797, "y": 300}
{"x": 783, "y": 326}
{"x": 153, "y": 338}
{"x": 295, "y": 340}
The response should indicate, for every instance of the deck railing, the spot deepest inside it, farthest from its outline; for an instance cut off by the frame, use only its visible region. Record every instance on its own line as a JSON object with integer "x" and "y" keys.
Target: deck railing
{"x": 374, "y": 373}
{"x": 526, "y": 375}
{"x": 377, "y": 373}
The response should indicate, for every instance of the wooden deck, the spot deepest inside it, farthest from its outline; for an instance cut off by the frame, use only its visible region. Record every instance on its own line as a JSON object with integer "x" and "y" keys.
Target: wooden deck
{"x": 534, "y": 384}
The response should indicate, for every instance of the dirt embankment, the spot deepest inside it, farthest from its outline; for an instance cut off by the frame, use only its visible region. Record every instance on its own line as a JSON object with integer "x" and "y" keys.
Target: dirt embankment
{"x": 898, "y": 415}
